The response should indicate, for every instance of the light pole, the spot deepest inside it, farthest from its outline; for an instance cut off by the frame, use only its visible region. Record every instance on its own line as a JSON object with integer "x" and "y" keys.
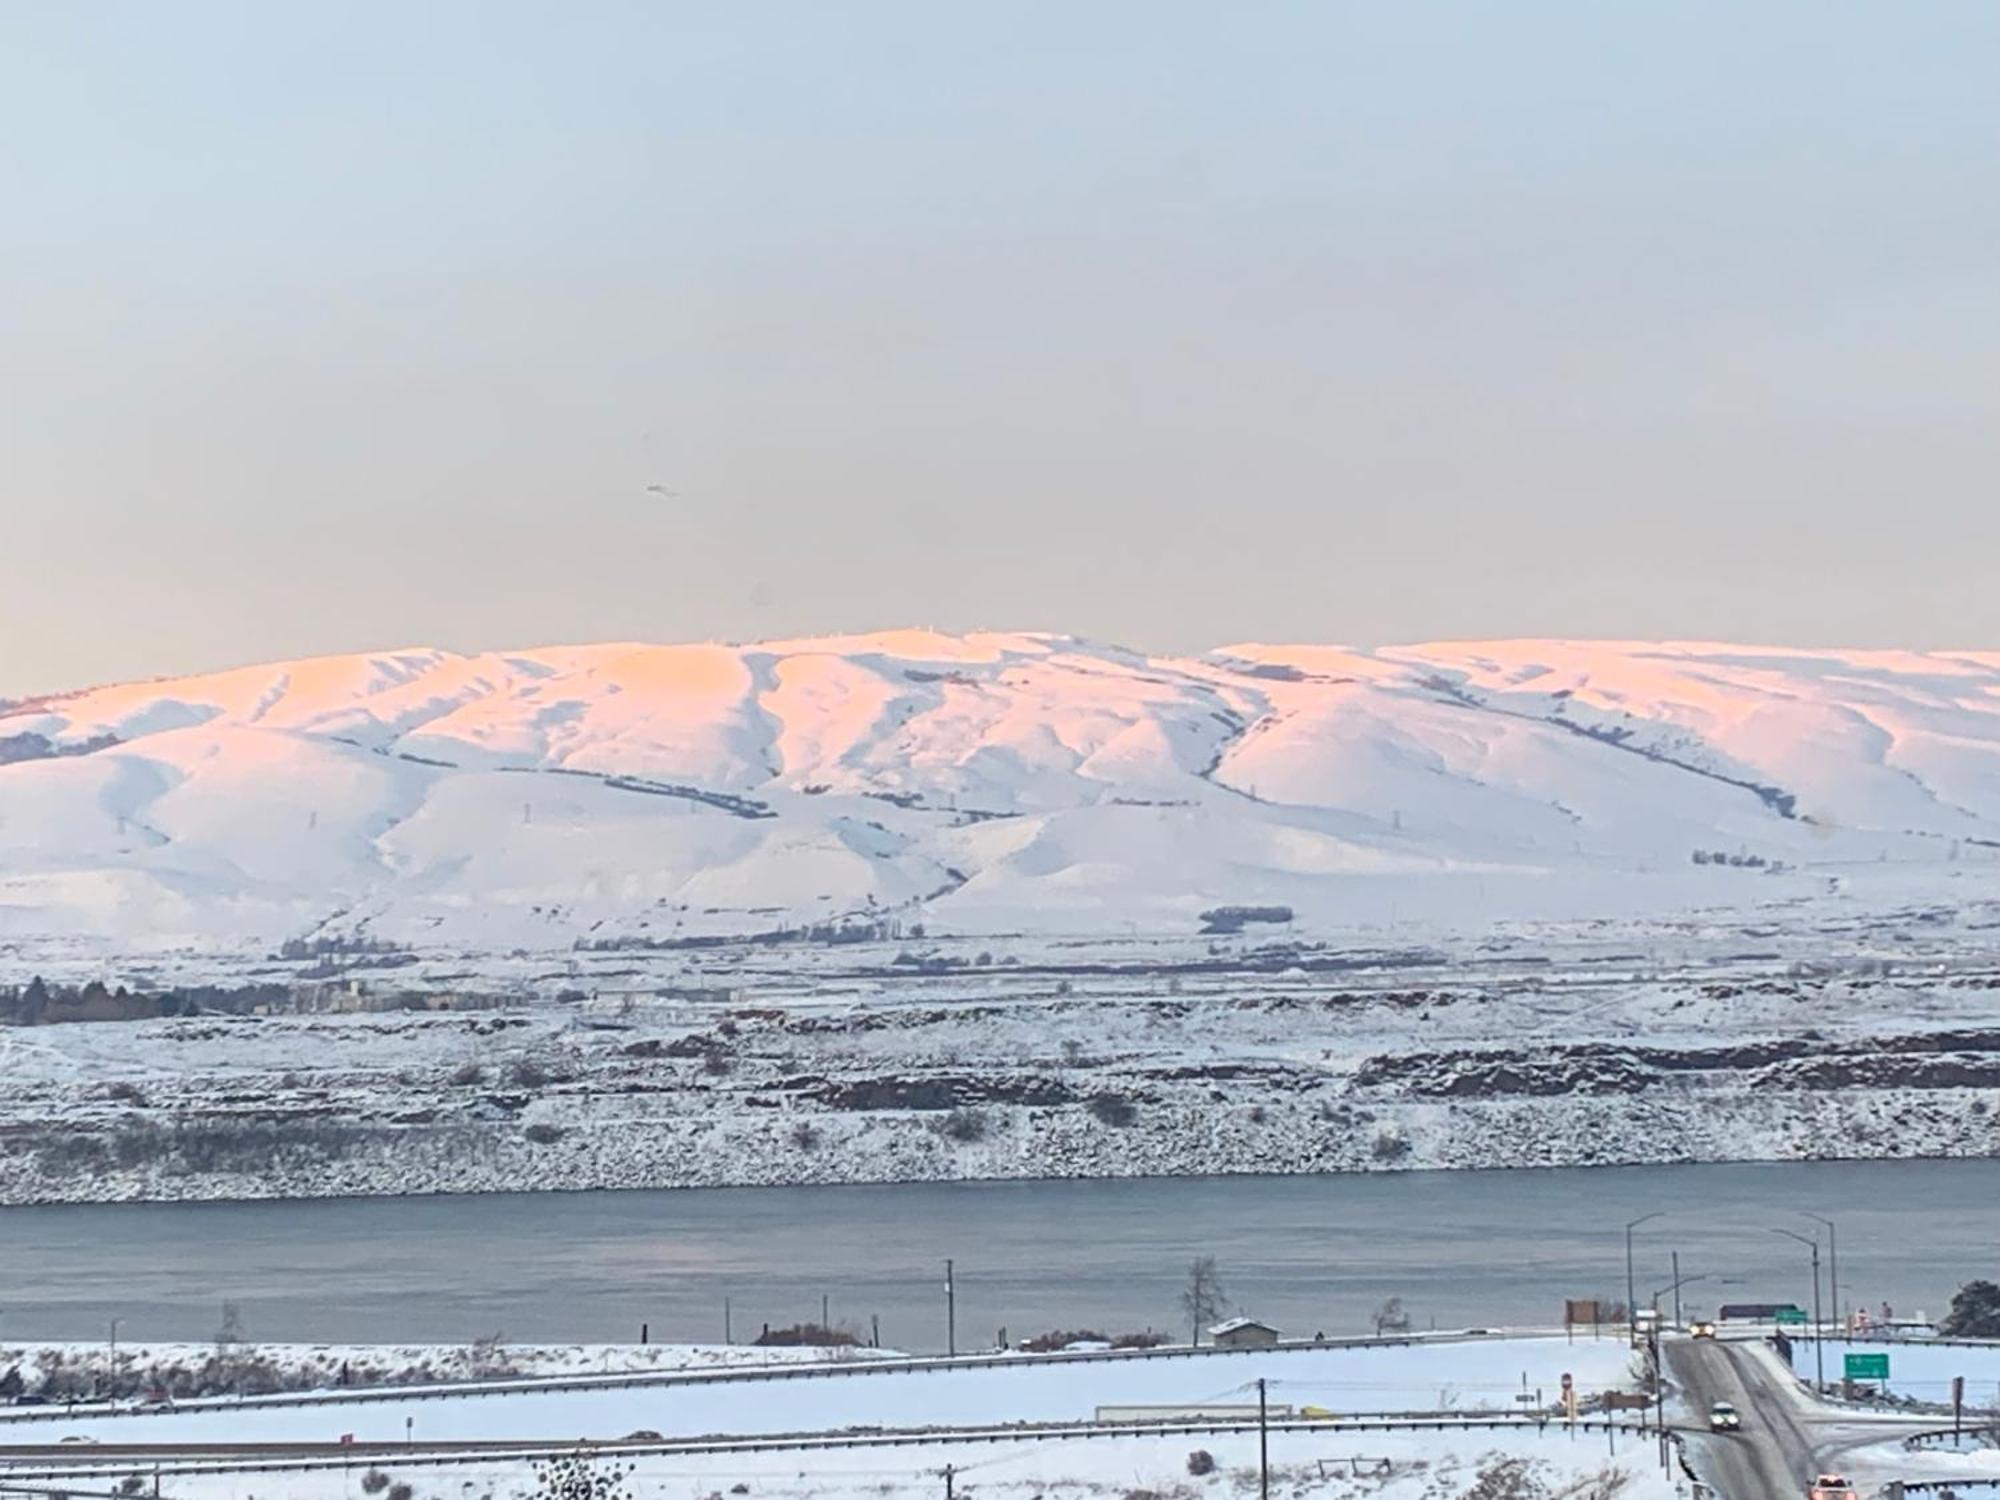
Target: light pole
{"x": 1832, "y": 1266}
{"x": 1631, "y": 1292}
{"x": 114, "y": 1355}
{"x": 950, "y": 1311}
{"x": 1819, "y": 1341}
{"x": 1675, "y": 1287}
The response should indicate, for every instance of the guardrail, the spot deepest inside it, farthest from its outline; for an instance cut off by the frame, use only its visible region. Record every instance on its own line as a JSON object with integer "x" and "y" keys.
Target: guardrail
{"x": 1951, "y": 1485}
{"x": 815, "y": 1370}
{"x": 100, "y": 1464}
{"x": 1969, "y": 1436}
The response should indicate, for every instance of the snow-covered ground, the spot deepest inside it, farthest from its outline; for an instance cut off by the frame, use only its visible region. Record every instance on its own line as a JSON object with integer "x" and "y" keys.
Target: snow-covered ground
{"x": 80, "y": 1369}
{"x": 1479, "y": 1375}
{"x": 912, "y": 906}
{"x": 1918, "y": 1370}
{"x": 1374, "y": 1465}
{"x": 1876, "y": 1464}
{"x": 632, "y": 795}
{"x": 1799, "y": 1035}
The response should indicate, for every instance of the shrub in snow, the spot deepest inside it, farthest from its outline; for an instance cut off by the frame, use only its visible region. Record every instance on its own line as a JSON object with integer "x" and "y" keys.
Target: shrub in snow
{"x": 963, "y": 1125}
{"x": 374, "y": 1482}
{"x": 581, "y": 1479}
{"x": 805, "y": 1334}
{"x": 544, "y": 1135}
{"x": 526, "y": 1073}
{"x": 1113, "y": 1109}
{"x": 1201, "y": 1462}
{"x": 805, "y": 1135}
{"x": 1062, "y": 1338}
{"x": 1390, "y": 1146}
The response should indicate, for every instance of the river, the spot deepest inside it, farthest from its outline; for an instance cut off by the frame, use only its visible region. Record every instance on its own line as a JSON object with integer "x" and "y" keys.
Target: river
{"x": 1307, "y": 1253}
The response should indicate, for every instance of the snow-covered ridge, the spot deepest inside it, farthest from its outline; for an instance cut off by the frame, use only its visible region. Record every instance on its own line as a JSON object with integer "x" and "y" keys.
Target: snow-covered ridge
{"x": 642, "y": 793}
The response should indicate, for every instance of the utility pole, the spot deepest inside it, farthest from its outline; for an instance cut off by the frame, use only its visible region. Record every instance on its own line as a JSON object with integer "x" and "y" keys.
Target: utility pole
{"x": 1659, "y": 1396}
{"x": 1677, "y": 1288}
{"x": 1679, "y": 1281}
{"x": 1819, "y": 1329}
{"x": 1631, "y": 1289}
{"x": 1263, "y": 1445}
{"x": 1832, "y": 1269}
{"x": 949, "y": 1471}
{"x": 950, "y": 1321}
{"x": 825, "y": 1318}
{"x": 727, "y": 1335}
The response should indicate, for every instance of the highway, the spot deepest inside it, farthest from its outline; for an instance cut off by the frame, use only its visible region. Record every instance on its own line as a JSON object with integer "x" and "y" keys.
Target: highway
{"x": 1787, "y": 1437}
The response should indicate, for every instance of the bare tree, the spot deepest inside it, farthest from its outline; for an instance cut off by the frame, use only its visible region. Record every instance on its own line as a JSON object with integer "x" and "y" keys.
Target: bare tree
{"x": 1390, "y": 1317}
{"x": 1202, "y": 1299}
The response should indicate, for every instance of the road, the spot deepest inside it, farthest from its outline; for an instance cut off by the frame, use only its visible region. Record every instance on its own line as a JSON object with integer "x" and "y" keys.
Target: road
{"x": 1787, "y": 1437}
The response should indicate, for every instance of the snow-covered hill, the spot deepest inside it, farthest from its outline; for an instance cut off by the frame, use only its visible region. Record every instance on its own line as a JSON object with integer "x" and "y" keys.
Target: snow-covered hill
{"x": 645, "y": 794}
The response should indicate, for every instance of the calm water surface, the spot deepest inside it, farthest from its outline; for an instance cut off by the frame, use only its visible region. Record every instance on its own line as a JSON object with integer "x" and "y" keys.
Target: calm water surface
{"x": 1308, "y": 1253}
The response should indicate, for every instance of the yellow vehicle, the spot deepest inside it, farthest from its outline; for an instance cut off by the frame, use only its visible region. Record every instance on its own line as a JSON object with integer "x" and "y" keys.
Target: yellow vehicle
{"x": 1316, "y": 1413}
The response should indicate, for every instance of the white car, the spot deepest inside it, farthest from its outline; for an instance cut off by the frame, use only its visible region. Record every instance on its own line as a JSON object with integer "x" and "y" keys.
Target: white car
{"x": 1831, "y": 1487}
{"x": 1722, "y": 1417}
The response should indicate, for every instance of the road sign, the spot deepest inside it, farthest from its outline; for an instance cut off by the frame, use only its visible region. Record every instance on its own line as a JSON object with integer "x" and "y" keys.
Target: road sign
{"x": 1867, "y": 1367}
{"x": 1791, "y": 1315}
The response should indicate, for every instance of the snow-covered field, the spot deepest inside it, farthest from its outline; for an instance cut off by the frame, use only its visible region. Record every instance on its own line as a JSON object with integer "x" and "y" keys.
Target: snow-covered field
{"x": 1919, "y": 1370}
{"x": 1374, "y": 1465}
{"x": 1480, "y": 1375}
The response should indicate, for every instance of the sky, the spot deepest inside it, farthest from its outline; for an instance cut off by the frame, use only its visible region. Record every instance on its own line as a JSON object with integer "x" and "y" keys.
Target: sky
{"x": 331, "y": 327}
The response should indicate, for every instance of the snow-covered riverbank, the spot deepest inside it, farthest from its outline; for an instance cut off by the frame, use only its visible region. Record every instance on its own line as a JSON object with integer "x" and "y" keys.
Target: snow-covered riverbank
{"x": 61, "y": 1373}
{"x": 1133, "y": 1059}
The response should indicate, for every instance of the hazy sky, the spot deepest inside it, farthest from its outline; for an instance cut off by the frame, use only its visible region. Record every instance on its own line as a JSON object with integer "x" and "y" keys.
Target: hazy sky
{"x": 326, "y": 326}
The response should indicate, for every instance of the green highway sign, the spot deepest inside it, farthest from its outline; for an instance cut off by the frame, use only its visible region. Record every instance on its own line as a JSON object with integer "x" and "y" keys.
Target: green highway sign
{"x": 1867, "y": 1367}
{"x": 1791, "y": 1315}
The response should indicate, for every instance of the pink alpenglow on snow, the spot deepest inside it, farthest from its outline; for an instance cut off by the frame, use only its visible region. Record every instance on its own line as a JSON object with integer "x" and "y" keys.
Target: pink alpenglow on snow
{"x": 987, "y": 783}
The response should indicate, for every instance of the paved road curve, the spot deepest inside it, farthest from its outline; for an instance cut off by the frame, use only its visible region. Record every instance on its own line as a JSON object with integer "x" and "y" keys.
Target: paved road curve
{"x": 1787, "y": 1437}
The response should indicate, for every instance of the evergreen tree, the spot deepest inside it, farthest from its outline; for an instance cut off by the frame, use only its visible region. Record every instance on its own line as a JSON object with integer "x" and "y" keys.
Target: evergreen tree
{"x": 1975, "y": 1312}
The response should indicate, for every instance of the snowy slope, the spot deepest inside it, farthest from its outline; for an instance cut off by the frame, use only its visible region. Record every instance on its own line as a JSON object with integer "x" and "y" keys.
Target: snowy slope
{"x": 991, "y": 782}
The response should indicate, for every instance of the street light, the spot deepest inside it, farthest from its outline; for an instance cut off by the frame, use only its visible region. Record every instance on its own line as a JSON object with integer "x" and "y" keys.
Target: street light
{"x": 950, "y": 1311}
{"x": 1675, "y": 1286}
{"x": 1631, "y": 1294}
{"x": 113, "y": 1376}
{"x": 1819, "y": 1341}
{"x": 1833, "y": 1266}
